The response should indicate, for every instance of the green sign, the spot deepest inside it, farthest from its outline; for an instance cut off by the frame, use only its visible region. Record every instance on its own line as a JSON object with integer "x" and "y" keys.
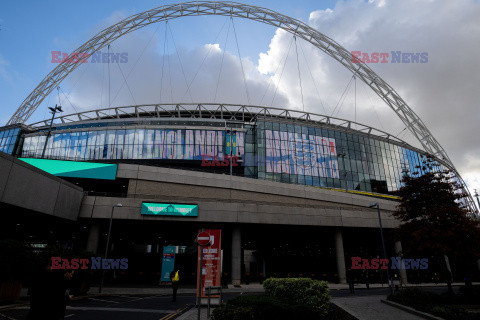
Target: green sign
{"x": 170, "y": 209}
{"x": 75, "y": 169}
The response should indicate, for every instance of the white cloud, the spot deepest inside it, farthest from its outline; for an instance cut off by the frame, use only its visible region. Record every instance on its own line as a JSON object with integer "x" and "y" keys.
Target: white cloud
{"x": 443, "y": 92}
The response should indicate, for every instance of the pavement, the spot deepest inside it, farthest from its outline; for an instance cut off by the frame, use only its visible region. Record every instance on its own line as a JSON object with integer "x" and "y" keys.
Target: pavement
{"x": 155, "y": 303}
{"x": 371, "y": 308}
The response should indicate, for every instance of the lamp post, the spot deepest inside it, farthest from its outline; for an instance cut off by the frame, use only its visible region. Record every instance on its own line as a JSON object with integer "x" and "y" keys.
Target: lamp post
{"x": 343, "y": 155}
{"x": 118, "y": 205}
{"x": 476, "y": 196}
{"x": 54, "y": 111}
{"x": 383, "y": 242}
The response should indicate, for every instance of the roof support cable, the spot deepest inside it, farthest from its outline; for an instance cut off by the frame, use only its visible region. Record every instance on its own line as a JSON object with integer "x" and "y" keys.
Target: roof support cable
{"x": 204, "y": 58}
{"x": 170, "y": 75}
{"x": 342, "y": 97}
{"x": 126, "y": 83}
{"x": 181, "y": 64}
{"x": 101, "y": 89}
{"x": 355, "y": 94}
{"x": 66, "y": 97}
{"x": 163, "y": 61}
{"x": 299, "y": 76}
{"x": 374, "y": 109}
{"x": 240, "y": 58}
{"x": 314, "y": 83}
{"x": 109, "y": 77}
{"x": 134, "y": 65}
{"x": 221, "y": 63}
{"x": 284, "y": 58}
{"x": 281, "y": 74}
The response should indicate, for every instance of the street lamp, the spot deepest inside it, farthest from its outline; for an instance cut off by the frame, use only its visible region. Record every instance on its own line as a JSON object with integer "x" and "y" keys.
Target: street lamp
{"x": 476, "y": 196}
{"x": 343, "y": 155}
{"x": 54, "y": 111}
{"x": 118, "y": 205}
{"x": 383, "y": 241}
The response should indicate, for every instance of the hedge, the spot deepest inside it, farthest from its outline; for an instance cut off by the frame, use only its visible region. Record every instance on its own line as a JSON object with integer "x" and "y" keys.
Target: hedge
{"x": 302, "y": 291}
{"x": 262, "y": 307}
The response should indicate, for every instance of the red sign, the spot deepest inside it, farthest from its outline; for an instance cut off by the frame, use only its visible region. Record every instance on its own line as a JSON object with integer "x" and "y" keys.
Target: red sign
{"x": 211, "y": 269}
{"x": 203, "y": 238}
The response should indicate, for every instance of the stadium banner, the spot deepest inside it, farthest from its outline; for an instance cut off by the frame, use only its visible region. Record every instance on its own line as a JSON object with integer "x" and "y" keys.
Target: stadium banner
{"x": 169, "y": 209}
{"x": 168, "y": 262}
{"x": 212, "y": 259}
{"x": 302, "y": 154}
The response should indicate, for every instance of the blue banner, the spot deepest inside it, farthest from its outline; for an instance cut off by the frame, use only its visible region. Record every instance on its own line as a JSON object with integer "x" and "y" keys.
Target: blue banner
{"x": 168, "y": 262}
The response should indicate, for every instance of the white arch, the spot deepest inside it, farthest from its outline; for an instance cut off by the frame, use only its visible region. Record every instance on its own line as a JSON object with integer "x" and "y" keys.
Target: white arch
{"x": 293, "y": 26}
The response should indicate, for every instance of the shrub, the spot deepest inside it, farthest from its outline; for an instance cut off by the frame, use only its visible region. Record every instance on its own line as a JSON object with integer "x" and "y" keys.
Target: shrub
{"x": 262, "y": 307}
{"x": 450, "y": 313}
{"x": 302, "y": 291}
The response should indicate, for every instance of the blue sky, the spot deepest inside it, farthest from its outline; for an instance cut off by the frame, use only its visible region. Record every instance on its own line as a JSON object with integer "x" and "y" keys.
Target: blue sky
{"x": 30, "y": 30}
{"x": 442, "y": 91}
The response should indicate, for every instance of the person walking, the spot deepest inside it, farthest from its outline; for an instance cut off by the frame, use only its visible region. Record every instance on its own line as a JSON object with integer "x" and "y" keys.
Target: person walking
{"x": 351, "y": 280}
{"x": 175, "y": 278}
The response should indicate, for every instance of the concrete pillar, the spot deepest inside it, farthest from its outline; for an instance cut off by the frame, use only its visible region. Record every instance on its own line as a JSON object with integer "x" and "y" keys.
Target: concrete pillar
{"x": 398, "y": 253}
{"x": 236, "y": 256}
{"x": 93, "y": 237}
{"x": 340, "y": 257}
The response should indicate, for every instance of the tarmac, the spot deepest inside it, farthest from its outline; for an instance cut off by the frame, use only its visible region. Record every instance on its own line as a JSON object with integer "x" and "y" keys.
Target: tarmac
{"x": 368, "y": 307}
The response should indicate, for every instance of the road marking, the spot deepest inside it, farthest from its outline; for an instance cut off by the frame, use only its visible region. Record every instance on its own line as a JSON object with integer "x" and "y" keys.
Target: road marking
{"x": 103, "y": 300}
{"x": 70, "y": 315}
{"x": 178, "y": 312}
{"x": 120, "y": 310}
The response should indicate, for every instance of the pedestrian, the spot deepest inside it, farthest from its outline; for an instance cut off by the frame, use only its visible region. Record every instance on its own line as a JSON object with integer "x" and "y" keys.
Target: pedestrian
{"x": 175, "y": 278}
{"x": 351, "y": 280}
{"x": 367, "y": 280}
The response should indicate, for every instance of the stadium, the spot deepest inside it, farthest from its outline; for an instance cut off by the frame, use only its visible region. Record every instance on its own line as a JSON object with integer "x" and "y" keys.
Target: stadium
{"x": 291, "y": 191}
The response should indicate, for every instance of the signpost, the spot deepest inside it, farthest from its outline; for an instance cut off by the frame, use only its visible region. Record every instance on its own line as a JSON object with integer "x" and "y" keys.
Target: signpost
{"x": 203, "y": 239}
{"x": 168, "y": 263}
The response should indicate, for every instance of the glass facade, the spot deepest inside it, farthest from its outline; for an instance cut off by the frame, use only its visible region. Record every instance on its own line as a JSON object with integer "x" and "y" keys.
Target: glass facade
{"x": 8, "y": 139}
{"x": 134, "y": 144}
{"x": 328, "y": 158}
{"x": 277, "y": 150}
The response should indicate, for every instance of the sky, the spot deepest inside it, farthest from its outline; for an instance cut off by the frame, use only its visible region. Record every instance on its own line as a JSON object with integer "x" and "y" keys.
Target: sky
{"x": 197, "y": 59}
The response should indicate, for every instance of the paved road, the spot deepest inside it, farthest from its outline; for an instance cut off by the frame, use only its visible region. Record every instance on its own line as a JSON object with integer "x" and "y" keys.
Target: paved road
{"x": 153, "y": 307}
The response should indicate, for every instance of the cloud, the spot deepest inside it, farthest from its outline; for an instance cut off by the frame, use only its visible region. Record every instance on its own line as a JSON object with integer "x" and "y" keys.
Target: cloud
{"x": 443, "y": 92}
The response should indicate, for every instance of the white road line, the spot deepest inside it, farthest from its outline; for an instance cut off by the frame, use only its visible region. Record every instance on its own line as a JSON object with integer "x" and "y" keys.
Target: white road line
{"x": 120, "y": 310}
{"x": 109, "y": 301}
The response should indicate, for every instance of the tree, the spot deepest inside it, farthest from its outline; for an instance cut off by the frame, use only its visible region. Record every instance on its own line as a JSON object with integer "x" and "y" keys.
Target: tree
{"x": 434, "y": 220}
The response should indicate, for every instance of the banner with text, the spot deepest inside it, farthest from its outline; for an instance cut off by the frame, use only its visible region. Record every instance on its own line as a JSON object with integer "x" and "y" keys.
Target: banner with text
{"x": 168, "y": 262}
{"x": 211, "y": 269}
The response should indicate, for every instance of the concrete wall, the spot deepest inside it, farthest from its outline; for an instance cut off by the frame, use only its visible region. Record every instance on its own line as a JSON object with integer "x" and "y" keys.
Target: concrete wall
{"x": 224, "y": 198}
{"x": 25, "y": 186}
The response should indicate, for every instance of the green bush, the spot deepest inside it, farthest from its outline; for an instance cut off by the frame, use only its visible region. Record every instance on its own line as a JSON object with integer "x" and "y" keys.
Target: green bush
{"x": 450, "y": 313}
{"x": 262, "y": 307}
{"x": 302, "y": 291}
